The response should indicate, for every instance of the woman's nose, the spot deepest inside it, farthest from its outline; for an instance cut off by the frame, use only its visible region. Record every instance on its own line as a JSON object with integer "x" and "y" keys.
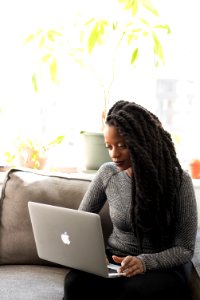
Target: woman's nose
{"x": 115, "y": 153}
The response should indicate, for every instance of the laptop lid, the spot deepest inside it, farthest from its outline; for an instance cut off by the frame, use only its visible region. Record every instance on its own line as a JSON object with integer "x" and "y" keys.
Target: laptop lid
{"x": 70, "y": 237}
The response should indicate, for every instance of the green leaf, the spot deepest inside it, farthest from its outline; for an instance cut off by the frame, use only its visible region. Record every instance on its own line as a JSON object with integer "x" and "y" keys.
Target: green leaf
{"x": 92, "y": 40}
{"x": 127, "y": 3}
{"x": 52, "y": 34}
{"x": 34, "y": 82}
{"x": 53, "y": 70}
{"x": 145, "y": 34}
{"x": 46, "y": 57}
{"x": 144, "y": 22}
{"x": 135, "y": 56}
{"x": 149, "y": 6}
{"x": 96, "y": 35}
{"x": 134, "y": 7}
{"x": 32, "y": 36}
{"x": 58, "y": 140}
{"x": 9, "y": 157}
{"x": 77, "y": 54}
{"x": 42, "y": 41}
{"x": 90, "y": 21}
{"x": 165, "y": 27}
{"x": 131, "y": 36}
{"x": 134, "y": 34}
{"x": 158, "y": 51}
{"x": 130, "y": 5}
{"x": 114, "y": 25}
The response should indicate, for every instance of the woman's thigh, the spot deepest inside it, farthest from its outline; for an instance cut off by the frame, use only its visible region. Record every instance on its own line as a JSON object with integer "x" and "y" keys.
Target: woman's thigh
{"x": 88, "y": 286}
{"x": 153, "y": 285}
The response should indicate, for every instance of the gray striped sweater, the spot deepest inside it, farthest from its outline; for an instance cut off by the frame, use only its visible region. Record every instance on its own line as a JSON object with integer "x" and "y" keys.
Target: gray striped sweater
{"x": 115, "y": 187}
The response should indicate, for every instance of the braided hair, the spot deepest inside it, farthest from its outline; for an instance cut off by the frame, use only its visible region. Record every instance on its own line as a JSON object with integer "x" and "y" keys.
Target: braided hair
{"x": 156, "y": 175}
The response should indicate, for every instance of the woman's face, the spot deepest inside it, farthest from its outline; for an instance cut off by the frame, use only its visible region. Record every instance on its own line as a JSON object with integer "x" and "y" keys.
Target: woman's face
{"x": 117, "y": 148}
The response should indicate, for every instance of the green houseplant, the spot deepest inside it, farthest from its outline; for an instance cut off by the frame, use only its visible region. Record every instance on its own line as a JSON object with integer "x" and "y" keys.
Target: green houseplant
{"x": 97, "y": 39}
{"x": 111, "y": 36}
{"x": 30, "y": 152}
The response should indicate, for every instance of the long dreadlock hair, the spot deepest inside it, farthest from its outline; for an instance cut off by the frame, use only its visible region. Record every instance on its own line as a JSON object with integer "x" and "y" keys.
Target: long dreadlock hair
{"x": 156, "y": 169}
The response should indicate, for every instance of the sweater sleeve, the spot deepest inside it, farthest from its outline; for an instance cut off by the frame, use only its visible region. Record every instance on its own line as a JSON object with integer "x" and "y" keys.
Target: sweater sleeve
{"x": 95, "y": 196}
{"x": 185, "y": 232}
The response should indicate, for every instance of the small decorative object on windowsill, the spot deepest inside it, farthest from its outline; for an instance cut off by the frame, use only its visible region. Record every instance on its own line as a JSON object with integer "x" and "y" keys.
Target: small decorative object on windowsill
{"x": 195, "y": 168}
{"x": 4, "y": 168}
{"x": 33, "y": 153}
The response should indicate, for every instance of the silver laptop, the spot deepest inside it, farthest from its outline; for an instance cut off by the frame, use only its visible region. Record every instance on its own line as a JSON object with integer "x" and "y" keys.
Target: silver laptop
{"x": 71, "y": 238}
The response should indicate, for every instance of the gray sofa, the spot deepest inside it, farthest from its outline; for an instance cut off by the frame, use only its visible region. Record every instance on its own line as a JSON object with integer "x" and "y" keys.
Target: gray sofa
{"x": 23, "y": 275}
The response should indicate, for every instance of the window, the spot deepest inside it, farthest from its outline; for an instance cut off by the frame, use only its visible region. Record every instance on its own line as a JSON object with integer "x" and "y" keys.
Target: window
{"x": 75, "y": 104}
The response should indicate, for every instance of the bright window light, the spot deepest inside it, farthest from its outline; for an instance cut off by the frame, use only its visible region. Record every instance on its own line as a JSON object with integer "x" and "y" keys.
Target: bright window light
{"x": 75, "y": 103}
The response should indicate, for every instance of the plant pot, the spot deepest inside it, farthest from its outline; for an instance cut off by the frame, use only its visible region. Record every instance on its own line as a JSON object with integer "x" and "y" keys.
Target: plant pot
{"x": 33, "y": 159}
{"x": 94, "y": 150}
{"x": 195, "y": 169}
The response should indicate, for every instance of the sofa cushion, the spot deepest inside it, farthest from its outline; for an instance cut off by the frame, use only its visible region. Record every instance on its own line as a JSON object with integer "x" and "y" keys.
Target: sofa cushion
{"x": 32, "y": 282}
{"x": 196, "y": 257}
{"x": 17, "y": 245}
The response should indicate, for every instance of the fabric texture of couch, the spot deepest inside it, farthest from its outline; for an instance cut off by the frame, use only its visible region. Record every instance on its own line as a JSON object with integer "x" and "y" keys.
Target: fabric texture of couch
{"x": 23, "y": 275}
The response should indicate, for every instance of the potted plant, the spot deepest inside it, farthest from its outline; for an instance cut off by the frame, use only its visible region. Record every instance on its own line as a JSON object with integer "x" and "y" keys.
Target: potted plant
{"x": 32, "y": 153}
{"x": 102, "y": 39}
{"x": 94, "y": 151}
{"x": 110, "y": 36}
{"x": 195, "y": 168}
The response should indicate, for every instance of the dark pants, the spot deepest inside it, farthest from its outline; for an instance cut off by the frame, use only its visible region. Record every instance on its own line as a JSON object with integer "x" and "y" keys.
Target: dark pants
{"x": 153, "y": 285}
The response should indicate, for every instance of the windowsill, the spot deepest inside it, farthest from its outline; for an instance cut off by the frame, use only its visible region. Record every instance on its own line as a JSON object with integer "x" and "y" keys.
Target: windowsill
{"x": 196, "y": 182}
{"x": 2, "y": 176}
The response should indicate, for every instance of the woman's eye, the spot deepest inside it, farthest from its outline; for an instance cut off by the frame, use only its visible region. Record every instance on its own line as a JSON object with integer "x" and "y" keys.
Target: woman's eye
{"x": 122, "y": 145}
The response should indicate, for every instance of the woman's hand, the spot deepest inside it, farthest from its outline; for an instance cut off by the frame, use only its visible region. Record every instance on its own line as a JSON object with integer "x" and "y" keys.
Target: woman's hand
{"x": 130, "y": 265}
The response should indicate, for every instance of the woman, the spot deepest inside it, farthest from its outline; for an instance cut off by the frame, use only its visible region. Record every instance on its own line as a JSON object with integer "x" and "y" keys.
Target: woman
{"x": 152, "y": 207}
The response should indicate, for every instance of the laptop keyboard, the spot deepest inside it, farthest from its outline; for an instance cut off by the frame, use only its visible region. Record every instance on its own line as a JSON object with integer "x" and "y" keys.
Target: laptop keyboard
{"x": 110, "y": 270}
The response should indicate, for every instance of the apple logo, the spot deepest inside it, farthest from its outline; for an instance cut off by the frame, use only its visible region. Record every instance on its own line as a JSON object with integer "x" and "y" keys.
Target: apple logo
{"x": 65, "y": 238}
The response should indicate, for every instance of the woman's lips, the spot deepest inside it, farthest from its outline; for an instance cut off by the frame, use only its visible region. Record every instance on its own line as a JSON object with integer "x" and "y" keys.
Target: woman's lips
{"x": 119, "y": 163}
